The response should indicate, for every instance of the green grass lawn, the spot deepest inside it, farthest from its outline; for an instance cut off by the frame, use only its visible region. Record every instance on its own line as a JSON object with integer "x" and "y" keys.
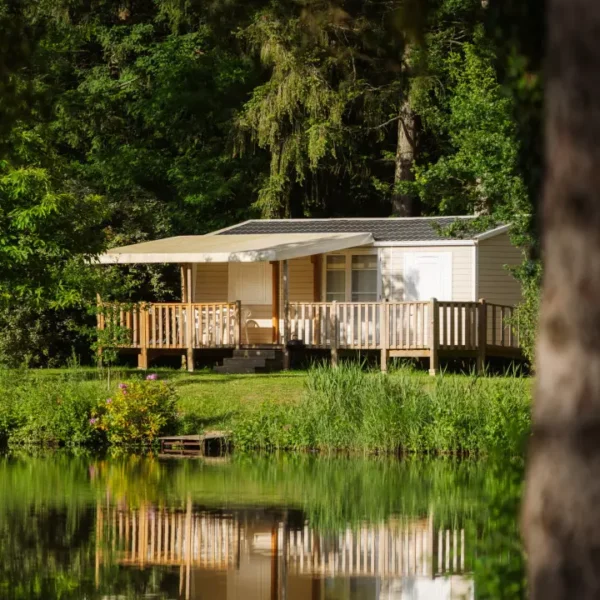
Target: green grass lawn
{"x": 211, "y": 400}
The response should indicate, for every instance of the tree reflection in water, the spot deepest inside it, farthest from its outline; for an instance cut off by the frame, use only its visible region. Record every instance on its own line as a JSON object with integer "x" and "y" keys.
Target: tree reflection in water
{"x": 257, "y": 527}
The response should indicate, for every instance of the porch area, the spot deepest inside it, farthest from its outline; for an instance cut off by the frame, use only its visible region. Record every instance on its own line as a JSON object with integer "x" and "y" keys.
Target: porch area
{"x": 431, "y": 329}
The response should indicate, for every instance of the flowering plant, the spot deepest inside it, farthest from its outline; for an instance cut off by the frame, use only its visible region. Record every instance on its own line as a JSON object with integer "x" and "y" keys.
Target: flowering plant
{"x": 137, "y": 413}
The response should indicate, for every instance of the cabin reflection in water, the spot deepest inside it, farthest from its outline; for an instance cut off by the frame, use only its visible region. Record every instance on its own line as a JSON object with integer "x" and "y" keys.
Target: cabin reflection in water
{"x": 274, "y": 554}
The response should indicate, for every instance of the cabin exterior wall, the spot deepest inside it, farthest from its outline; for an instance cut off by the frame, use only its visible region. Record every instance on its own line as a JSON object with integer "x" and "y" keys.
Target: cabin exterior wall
{"x": 495, "y": 283}
{"x": 212, "y": 280}
{"x": 213, "y": 283}
{"x": 392, "y": 271}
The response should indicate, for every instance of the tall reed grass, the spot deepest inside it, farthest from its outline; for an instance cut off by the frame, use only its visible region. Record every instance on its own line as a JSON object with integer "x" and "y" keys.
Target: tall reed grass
{"x": 348, "y": 408}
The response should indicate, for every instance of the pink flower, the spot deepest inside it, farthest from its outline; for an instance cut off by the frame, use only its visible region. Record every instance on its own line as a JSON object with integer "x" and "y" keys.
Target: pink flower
{"x": 93, "y": 421}
{"x": 152, "y": 377}
{"x": 109, "y": 401}
{"x": 122, "y": 386}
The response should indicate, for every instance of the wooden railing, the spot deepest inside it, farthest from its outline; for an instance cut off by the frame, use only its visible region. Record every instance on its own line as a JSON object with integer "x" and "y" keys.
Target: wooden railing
{"x": 173, "y": 325}
{"x": 382, "y": 550}
{"x": 401, "y": 325}
{"x": 458, "y": 325}
{"x": 501, "y": 329}
{"x": 411, "y": 329}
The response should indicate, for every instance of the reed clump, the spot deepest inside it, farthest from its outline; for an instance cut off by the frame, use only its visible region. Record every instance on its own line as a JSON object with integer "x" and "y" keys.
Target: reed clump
{"x": 348, "y": 408}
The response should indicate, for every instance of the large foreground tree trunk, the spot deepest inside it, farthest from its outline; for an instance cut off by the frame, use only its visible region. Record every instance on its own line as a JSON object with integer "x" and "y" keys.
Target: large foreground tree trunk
{"x": 562, "y": 506}
{"x": 403, "y": 204}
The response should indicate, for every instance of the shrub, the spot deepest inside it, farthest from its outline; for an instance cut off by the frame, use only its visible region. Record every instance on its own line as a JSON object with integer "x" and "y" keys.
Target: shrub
{"x": 37, "y": 410}
{"x": 137, "y": 413}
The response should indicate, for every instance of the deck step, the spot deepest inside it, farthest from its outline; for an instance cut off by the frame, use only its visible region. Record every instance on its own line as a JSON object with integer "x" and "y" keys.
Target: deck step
{"x": 254, "y": 363}
{"x": 256, "y": 353}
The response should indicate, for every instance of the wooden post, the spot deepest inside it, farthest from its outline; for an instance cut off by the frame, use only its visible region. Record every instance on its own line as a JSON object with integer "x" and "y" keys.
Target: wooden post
{"x": 334, "y": 334}
{"x": 317, "y": 261}
{"x": 100, "y": 324}
{"x": 275, "y": 562}
{"x": 385, "y": 336}
{"x": 286, "y": 314}
{"x": 276, "y": 301}
{"x": 434, "y": 340}
{"x": 144, "y": 326}
{"x": 432, "y": 539}
{"x": 191, "y": 318}
{"x": 481, "y": 336}
{"x": 238, "y": 324}
{"x": 184, "y": 293}
{"x": 189, "y": 547}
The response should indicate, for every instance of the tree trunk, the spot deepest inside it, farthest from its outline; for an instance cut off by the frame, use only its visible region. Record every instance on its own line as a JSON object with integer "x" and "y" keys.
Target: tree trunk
{"x": 403, "y": 204}
{"x": 561, "y": 514}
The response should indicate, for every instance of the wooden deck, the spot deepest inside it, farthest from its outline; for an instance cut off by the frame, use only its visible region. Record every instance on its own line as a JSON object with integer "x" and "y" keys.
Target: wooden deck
{"x": 430, "y": 329}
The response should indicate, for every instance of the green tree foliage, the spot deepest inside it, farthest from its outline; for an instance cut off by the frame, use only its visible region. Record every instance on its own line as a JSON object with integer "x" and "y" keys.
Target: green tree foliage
{"x": 123, "y": 122}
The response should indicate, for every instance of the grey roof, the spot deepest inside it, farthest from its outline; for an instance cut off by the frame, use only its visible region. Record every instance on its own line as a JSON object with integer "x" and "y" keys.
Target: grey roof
{"x": 413, "y": 229}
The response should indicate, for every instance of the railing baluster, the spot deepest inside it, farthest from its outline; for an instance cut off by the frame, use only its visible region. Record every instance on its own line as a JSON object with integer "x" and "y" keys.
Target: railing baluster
{"x": 180, "y": 326}
{"x": 152, "y": 343}
{"x": 168, "y": 326}
{"x": 468, "y": 326}
{"x": 160, "y": 327}
{"x": 413, "y": 332}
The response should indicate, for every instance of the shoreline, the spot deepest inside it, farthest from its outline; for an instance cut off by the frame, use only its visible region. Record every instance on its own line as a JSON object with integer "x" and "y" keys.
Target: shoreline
{"x": 345, "y": 409}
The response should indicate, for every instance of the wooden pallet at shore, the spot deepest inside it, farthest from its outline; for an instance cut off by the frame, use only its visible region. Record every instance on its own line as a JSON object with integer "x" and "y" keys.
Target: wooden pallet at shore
{"x": 192, "y": 444}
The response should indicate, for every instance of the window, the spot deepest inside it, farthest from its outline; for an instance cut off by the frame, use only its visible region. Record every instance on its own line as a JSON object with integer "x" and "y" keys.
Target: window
{"x": 352, "y": 278}
{"x": 364, "y": 278}
{"x": 336, "y": 278}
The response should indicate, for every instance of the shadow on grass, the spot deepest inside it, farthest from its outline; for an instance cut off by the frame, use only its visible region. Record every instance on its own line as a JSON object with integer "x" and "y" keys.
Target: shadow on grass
{"x": 192, "y": 424}
{"x": 215, "y": 379}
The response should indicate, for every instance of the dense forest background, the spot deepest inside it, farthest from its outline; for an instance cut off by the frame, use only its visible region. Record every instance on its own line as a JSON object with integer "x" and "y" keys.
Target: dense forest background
{"x": 131, "y": 120}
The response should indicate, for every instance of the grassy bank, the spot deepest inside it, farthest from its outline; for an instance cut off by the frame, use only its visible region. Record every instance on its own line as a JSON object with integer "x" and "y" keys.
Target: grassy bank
{"x": 325, "y": 409}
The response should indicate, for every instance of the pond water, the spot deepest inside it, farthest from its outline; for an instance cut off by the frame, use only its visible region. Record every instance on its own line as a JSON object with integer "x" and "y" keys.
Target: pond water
{"x": 276, "y": 527}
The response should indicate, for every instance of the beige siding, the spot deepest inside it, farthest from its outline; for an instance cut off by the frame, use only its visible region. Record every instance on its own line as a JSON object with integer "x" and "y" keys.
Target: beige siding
{"x": 392, "y": 271}
{"x": 211, "y": 281}
{"x": 211, "y": 285}
{"x": 496, "y": 284}
{"x": 301, "y": 273}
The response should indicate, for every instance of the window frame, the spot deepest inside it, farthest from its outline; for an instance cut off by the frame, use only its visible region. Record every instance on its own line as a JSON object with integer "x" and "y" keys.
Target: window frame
{"x": 348, "y": 270}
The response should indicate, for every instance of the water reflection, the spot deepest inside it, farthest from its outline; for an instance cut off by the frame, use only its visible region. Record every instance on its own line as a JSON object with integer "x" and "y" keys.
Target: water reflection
{"x": 256, "y": 528}
{"x": 278, "y": 555}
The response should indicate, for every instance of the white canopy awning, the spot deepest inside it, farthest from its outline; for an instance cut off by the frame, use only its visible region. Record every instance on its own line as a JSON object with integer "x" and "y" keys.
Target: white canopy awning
{"x": 235, "y": 248}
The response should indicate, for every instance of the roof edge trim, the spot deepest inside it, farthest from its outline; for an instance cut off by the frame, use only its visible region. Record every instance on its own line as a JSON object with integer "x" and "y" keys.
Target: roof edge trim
{"x": 486, "y": 235}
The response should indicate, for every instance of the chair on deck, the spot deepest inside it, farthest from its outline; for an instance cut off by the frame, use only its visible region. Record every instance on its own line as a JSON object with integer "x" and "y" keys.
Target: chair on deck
{"x": 248, "y": 323}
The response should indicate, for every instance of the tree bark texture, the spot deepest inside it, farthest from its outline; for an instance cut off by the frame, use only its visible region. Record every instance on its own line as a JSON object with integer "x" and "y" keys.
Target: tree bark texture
{"x": 403, "y": 204}
{"x": 561, "y": 514}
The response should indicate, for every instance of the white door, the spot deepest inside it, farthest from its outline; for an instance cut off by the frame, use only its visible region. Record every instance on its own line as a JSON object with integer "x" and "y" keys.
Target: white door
{"x": 251, "y": 282}
{"x": 427, "y": 275}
